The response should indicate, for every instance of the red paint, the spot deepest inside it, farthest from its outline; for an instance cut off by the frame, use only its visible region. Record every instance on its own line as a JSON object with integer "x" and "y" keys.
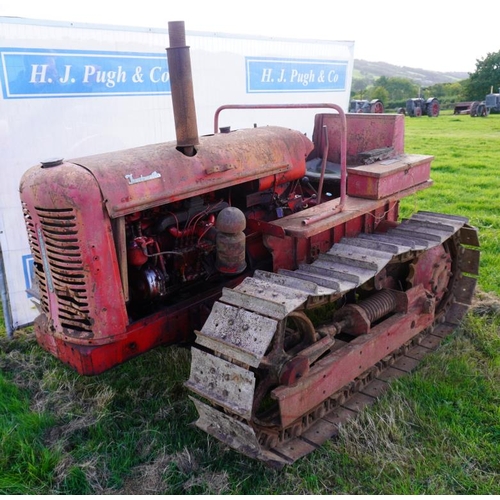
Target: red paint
{"x": 339, "y": 368}
{"x": 135, "y": 247}
{"x": 384, "y": 178}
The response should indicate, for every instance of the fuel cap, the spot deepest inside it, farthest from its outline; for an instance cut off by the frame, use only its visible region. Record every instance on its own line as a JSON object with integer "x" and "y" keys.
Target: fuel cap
{"x": 52, "y": 162}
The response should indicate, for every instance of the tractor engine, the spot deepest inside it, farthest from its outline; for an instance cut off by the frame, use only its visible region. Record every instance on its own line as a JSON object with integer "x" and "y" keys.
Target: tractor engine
{"x": 119, "y": 237}
{"x": 167, "y": 250}
{"x": 131, "y": 248}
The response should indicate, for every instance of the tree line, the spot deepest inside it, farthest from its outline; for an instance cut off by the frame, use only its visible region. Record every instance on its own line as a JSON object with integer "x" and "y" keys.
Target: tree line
{"x": 394, "y": 91}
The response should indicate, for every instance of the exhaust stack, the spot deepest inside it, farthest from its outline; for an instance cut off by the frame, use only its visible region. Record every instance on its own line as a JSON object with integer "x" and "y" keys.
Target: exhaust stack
{"x": 181, "y": 84}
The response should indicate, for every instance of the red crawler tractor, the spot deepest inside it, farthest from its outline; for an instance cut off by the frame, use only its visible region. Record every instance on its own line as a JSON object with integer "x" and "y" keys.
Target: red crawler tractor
{"x": 234, "y": 237}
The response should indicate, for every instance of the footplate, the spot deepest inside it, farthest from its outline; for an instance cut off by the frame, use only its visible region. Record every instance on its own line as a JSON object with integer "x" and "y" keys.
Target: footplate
{"x": 242, "y": 362}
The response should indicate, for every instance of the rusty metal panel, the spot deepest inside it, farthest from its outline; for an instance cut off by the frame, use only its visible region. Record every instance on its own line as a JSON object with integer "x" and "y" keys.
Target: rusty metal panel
{"x": 256, "y": 295}
{"x": 469, "y": 260}
{"x": 332, "y": 268}
{"x": 457, "y": 221}
{"x": 425, "y": 226}
{"x": 456, "y": 313}
{"x": 444, "y": 329}
{"x": 387, "y": 177}
{"x": 374, "y": 242}
{"x": 418, "y": 352}
{"x": 340, "y": 367}
{"x": 375, "y": 388}
{"x": 391, "y": 374}
{"x": 224, "y": 383}
{"x": 464, "y": 289}
{"x": 234, "y": 433}
{"x": 366, "y": 257}
{"x": 320, "y": 431}
{"x": 295, "y": 449}
{"x": 364, "y": 133}
{"x": 432, "y": 342}
{"x": 339, "y": 416}
{"x": 321, "y": 276}
{"x": 219, "y": 424}
{"x": 437, "y": 233}
{"x": 72, "y": 241}
{"x": 403, "y": 244}
{"x": 148, "y": 176}
{"x": 283, "y": 279}
{"x": 348, "y": 222}
{"x": 237, "y": 333}
{"x": 469, "y": 236}
{"x": 406, "y": 364}
{"x": 359, "y": 401}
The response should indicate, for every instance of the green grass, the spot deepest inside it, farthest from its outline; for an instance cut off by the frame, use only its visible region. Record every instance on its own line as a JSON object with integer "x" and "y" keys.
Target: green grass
{"x": 465, "y": 175}
{"x": 27, "y": 464}
{"x": 437, "y": 431}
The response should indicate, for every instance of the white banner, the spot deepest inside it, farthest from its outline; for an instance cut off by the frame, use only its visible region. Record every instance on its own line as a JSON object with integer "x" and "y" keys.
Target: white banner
{"x": 69, "y": 91}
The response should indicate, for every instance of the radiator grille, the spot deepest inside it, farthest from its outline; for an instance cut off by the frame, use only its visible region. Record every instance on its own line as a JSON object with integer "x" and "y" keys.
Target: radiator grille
{"x": 56, "y": 248}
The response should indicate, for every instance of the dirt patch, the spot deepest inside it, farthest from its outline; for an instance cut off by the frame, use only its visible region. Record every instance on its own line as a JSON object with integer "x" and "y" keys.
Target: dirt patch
{"x": 486, "y": 304}
{"x": 168, "y": 471}
{"x": 148, "y": 479}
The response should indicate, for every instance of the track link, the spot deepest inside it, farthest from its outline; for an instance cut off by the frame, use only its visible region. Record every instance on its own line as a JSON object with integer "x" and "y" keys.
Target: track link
{"x": 231, "y": 359}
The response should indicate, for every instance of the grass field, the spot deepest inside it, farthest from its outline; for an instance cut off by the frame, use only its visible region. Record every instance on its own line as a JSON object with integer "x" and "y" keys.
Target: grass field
{"x": 437, "y": 431}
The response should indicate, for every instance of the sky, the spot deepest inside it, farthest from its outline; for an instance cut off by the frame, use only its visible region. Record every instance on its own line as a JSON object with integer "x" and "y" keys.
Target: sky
{"x": 434, "y": 35}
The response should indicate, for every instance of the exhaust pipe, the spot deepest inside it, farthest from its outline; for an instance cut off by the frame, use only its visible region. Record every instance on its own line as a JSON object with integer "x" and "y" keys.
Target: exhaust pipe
{"x": 181, "y": 84}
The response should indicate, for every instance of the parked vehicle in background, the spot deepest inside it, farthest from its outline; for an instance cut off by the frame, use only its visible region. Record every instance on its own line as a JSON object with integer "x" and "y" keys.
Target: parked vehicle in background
{"x": 463, "y": 108}
{"x": 492, "y": 101}
{"x": 419, "y": 106}
{"x": 479, "y": 109}
{"x": 490, "y": 104}
{"x": 365, "y": 106}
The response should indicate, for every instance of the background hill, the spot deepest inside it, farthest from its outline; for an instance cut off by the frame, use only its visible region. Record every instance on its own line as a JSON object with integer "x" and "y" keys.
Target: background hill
{"x": 370, "y": 71}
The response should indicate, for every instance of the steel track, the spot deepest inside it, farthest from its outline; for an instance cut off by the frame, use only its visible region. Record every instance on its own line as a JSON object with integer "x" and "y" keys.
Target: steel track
{"x": 240, "y": 331}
